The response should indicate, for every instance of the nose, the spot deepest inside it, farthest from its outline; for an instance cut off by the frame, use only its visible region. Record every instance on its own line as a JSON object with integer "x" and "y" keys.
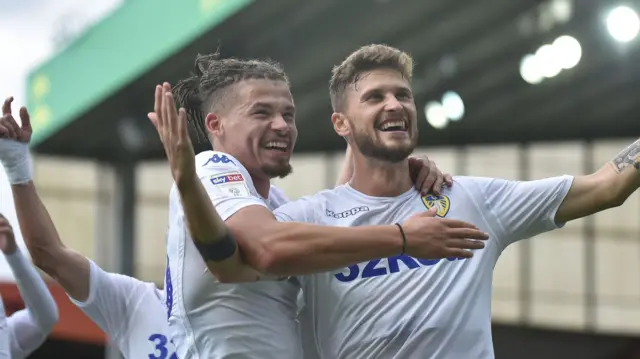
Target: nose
{"x": 392, "y": 104}
{"x": 280, "y": 125}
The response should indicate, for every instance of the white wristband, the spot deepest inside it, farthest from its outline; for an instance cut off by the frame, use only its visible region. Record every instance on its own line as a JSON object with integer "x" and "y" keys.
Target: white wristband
{"x": 16, "y": 160}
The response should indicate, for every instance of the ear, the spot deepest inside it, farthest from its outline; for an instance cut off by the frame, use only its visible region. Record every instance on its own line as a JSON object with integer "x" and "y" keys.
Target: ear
{"x": 341, "y": 124}
{"x": 213, "y": 124}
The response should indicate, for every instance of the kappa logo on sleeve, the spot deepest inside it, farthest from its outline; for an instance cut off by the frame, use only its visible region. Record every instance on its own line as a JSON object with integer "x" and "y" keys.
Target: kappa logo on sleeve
{"x": 216, "y": 159}
{"x": 232, "y": 183}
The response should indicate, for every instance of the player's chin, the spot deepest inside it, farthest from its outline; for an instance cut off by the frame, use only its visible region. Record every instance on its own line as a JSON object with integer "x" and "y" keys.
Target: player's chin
{"x": 280, "y": 170}
{"x": 399, "y": 144}
{"x": 396, "y": 152}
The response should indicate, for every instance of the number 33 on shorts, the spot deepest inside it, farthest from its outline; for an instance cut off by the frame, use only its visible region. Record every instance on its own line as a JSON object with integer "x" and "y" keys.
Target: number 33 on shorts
{"x": 161, "y": 350}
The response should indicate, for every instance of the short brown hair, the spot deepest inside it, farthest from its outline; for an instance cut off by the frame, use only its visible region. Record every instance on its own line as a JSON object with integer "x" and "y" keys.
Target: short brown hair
{"x": 212, "y": 76}
{"x": 366, "y": 58}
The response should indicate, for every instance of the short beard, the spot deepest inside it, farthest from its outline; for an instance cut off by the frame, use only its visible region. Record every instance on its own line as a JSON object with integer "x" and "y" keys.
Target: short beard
{"x": 370, "y": 149}
{"x": 277, "y": 171}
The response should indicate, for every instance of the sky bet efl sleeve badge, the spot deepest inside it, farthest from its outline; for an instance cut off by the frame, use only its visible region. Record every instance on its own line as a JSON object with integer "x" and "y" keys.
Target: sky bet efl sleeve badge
{"x": 441, "y": 203}
{"x": 232, "y": 183}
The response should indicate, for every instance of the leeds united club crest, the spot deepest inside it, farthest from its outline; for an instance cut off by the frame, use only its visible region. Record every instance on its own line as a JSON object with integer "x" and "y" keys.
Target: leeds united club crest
{"x": 441, "y": 203}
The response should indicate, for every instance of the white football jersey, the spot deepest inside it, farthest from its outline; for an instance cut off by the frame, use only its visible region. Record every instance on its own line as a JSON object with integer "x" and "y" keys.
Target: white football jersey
{"x": 405, "y": 308}
{"x": 29, "y": 327}
{"x": 5, "y": 334}
{"x": 130, "y": 312}
{"x": 216, "y": 320}
{"x": 307, "y": 334}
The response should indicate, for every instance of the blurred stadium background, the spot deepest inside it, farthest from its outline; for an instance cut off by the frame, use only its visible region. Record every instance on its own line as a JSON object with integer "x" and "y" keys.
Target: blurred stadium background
{"x": 519, "y": 89}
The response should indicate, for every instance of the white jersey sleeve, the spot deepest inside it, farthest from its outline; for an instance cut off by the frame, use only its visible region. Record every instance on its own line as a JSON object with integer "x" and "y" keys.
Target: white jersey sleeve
{"x": 24, "y": 335}
{"x": 130, "y": 312}
{"x": 521, "y": 209}
{"x": 301, "y": 210}
{"x": 227, "y": 182}
{"x": 30, "y": 327}
{"x": 108, "y": 301}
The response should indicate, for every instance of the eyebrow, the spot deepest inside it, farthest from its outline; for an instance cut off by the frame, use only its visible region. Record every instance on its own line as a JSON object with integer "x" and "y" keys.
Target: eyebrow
{"x": 268, "y": 105}
{"x": 395, "y": 89}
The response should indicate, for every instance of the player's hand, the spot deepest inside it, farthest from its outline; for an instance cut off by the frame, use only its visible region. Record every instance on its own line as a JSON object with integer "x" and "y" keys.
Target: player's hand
{"x": 431, "y": 238}
{"x": 9, "y": 128}
{"x": 171, "y": 125}
{"x": 426, "y": 176}
{"x": 7, "y": 238}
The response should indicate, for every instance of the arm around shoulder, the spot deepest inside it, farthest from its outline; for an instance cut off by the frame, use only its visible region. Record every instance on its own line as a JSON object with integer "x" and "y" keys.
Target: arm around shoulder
{"x": 295, "y": 248}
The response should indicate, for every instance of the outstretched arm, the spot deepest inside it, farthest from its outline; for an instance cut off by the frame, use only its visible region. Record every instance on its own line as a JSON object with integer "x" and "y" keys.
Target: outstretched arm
{"x": 69, "y": 268}
{"x": 608, "y": 187}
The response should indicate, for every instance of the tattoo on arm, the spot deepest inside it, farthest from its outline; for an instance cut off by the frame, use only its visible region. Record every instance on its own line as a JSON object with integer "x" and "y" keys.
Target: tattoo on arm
{"x": 630, "y": 156}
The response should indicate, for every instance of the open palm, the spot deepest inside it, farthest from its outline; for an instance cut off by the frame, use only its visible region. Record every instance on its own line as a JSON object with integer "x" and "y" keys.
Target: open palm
{"x": 171, "y": 125}
{"x": 10, "y": 129}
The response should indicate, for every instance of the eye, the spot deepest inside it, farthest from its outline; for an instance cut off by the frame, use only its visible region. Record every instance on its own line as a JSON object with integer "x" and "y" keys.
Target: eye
{"x": 289, "y": 117}
{"x": 403, "y": 95}
{"x": 261, "y": 113}
{"x": 374, "y": 97}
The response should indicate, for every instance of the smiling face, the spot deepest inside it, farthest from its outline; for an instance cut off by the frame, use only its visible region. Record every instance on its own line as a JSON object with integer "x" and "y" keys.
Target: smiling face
{"x": 257, "y": 126}
{"x": 373, "y": 102}
{"x": 379, "y": 115}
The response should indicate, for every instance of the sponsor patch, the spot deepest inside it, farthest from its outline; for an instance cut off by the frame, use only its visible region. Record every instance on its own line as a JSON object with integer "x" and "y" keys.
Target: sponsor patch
{"x": 232, "y": 183}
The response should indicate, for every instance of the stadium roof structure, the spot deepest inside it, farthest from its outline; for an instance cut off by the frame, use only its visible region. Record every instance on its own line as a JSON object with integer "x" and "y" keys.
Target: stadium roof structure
{"x": 91, "y": 99}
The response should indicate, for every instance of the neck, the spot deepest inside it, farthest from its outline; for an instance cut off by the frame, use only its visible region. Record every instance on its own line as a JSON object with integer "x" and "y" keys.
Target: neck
{"x": 379, "y": 178}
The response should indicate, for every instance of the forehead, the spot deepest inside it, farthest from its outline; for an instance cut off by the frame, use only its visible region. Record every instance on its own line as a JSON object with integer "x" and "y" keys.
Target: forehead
{"x": 379, "y": 79}
{"x": 257, "y": 92}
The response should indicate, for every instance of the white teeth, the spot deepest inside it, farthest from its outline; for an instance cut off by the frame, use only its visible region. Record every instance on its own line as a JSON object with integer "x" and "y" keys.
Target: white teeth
{"x": 389, "y": 124}
{"x": 276, "y": 144}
